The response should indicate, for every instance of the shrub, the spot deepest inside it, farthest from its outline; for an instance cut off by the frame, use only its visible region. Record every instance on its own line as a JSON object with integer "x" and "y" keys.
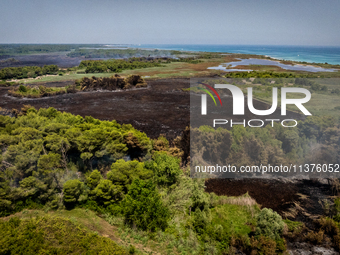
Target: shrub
{"x": 143, "y": 207}
{"x": 132, "y": 249}
{"x": 262, "y": 245}
{"x": 166, "y": 168}
{"x": 124, "y": 172}
{"x": 329, "y": 226}
{"x": 316, "y": 237}
{"x": 22, "y": 89}
{"x": 269, "y": 224}
{"x": 202, "y": 219}
{"x": 71, "y": 89}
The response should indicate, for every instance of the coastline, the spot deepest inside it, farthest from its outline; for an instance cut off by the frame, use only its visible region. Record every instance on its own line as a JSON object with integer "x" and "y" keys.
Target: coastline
{"x": 310, "y": 54}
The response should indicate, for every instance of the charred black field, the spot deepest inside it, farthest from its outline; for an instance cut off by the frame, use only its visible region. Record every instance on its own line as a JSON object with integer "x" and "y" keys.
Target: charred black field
{"x": 163, "y": 107}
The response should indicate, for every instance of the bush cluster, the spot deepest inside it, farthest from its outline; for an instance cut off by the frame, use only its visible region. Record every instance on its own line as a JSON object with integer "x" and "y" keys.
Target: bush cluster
{"x": 27, "y": 72}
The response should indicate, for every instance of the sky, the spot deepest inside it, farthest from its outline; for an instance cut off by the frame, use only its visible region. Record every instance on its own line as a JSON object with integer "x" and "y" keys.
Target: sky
{"x": 237, "y": 22}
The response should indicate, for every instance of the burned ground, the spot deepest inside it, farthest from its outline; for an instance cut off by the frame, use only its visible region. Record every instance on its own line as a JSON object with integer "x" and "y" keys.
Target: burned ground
{"x": 161, "y": 108}
{"x": 294, "y": 199}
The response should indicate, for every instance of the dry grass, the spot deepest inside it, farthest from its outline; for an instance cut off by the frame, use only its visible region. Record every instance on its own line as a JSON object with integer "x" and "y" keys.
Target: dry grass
{"x": 335, "y": 186}
{"x": 244, "y": 200}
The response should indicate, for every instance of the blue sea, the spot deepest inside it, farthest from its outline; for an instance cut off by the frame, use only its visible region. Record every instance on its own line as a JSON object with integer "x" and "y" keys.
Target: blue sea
{"x": 316, "y": 54}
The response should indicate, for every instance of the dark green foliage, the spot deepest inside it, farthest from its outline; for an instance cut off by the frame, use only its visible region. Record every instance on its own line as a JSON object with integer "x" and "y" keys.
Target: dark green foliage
{"x": 27, "y": 72}
{"x": 93, "y": 180}
{"x": 269, "y": 223}
{"x": 106, "y": 193}
{"x": 201, "y": 220}
{"x": 123, "y": 173}
{"x": 143, "y": 207}
{"x": 114, "y": 65}
{"x": 269, "y": 145}
{"x": 111, "y": 83}
{"x": 7, "y": 84}
{"x": 42, "y": 150}
{"x": 119, "y": 53}
{"x": 72, "y": 191}
{"x": 48, "y": 235}
{"x": 22, "y": 88}
{"x": 165, "y": 167}
{"x": 49, "y": 167}
{"x": 32, "y": 187}
{"x": 190, "y": 60}
{"x": 200, "y": 199}
{"x": 132, "y": 249}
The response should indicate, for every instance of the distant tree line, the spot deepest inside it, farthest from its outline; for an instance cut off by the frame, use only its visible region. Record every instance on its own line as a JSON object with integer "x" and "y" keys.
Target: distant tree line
{"x": 12, "y": 49}
{"x": 119, "y": 53}
{"x": 114, "y": 65}
{"x": 27, "y": 72}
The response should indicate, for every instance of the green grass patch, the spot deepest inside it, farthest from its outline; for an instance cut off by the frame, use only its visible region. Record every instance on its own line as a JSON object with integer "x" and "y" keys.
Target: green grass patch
{"x": 293, "y": 225}
{"x": 51, "y": 234}
{"x": 41, "y": 91}
{"x": 235, "y": 218}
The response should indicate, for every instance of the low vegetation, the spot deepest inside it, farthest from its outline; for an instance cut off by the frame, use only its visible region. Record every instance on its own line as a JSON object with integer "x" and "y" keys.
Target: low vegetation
{"x": 52, "y": 160}
{"x": 56, "y": 168}
{"x": 111, "y": 83}
{"x": 40, "y": 91}
{"x": 27, "y": 72}
{"x": 114, "y": 65}
{"x": 85, "y": 84}
{"x": 269, "y": 145}
{"x": 52, "y": 235}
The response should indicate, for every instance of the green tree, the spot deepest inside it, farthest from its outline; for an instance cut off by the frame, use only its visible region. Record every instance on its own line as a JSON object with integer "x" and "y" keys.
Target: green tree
{"x": 49, "y": 169}
{"x": 123, "y": 172}
{"x": 72, "y": 191}
{"x": 5, "y": 203}
{"x": 143, "y": 207}
{"x": 33, "y": 188}
{"x": 166, "y": 168}
{"x": 93, "y": 180}
{"x": 106, "y": 193}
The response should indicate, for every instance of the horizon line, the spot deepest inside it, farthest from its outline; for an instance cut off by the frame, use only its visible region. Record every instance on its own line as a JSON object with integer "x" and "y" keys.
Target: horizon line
{"x": 140, "y": 44}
